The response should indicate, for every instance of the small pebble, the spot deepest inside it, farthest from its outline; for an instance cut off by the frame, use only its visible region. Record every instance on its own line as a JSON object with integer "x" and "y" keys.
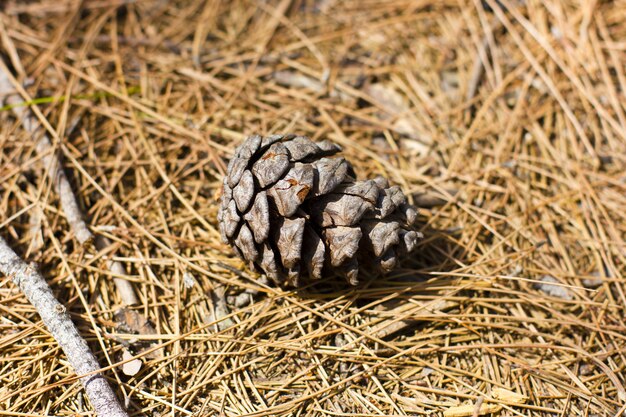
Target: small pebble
{"x": 188, "y": 280}
{"x": 554, "y": 290}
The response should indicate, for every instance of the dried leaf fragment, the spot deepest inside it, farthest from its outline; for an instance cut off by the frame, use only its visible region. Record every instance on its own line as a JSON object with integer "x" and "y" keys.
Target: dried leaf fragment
{"x": 481, "y": 408}
{"x": 469, "y": 410}
{"x": 395, "y": 108}
{"x": 552, "y": 287}
{"x": 508, "y": 396}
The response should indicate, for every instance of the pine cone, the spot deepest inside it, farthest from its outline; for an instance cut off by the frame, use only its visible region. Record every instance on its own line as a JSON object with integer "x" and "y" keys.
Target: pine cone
{"x": 290, "y": 210}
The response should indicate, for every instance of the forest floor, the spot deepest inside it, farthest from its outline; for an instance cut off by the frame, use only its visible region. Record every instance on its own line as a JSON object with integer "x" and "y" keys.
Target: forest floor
{"x": 504, "y": 121}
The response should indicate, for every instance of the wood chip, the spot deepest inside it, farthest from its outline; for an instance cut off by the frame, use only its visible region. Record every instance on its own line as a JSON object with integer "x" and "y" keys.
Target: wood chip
{"x": 132, "y": 367}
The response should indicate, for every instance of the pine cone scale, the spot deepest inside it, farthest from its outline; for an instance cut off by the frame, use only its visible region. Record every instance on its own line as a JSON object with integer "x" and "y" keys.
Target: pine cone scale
{"x": 258, "y": 218}
{"x": 271, "y": 165}
{"x": 245, "y": 242}
{"x": 380, "y": 236}
{"x": 230, "y": 219}
{"x": 240, "y": 160}
{"x": 343, "y": 243}
{"x": 289, "y": 234}
{"x": 313, "y": 253}
{"x": 329, "y": 174}
{"x": 289, "y": 192}
{"x": 243, "y": 193}
{"x": 301, "y": 148}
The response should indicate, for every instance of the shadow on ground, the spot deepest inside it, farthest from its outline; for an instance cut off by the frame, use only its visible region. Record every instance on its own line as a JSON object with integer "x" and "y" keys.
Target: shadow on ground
{"x": 437, "y": 253}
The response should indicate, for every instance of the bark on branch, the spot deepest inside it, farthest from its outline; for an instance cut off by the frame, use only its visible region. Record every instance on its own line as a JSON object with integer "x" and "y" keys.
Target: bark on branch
{"x": 52, "y": 162}
{"x": 58, "y": 322}
{"x": 43, "y": 145}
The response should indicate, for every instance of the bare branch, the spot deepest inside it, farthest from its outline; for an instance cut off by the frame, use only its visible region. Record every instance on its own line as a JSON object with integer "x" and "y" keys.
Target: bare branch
{"x": 58, "y": 322}
{"x": 124, "y": 287}
{"x": 52, "y": 163}
{"x": 69, "y": 203}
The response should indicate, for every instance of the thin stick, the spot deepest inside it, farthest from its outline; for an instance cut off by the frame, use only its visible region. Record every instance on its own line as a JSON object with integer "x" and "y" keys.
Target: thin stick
{"x": 124, "y": 287}
{"x": 51, "y": 161}
{"x": 69, "y": 203}
{"x": 58, "y": 322}
{"x": 482, "y": 60}
{"x": 477, "y": 69}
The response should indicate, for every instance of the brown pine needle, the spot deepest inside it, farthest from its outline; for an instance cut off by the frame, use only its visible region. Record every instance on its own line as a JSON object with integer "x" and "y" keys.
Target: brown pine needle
{"x": 505, "y": 120}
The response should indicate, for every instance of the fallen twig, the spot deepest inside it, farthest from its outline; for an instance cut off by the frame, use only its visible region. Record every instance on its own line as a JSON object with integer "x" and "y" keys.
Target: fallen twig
{"x": 478, "y": 69}
{"x": 220, "y": 309}
{"x": 69, "y": 203}
{"x": 124, "y": 287}
{"x": 50, "y": 160}
{"x": 58, "y": 322}
{"x": 501, "y": 396}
